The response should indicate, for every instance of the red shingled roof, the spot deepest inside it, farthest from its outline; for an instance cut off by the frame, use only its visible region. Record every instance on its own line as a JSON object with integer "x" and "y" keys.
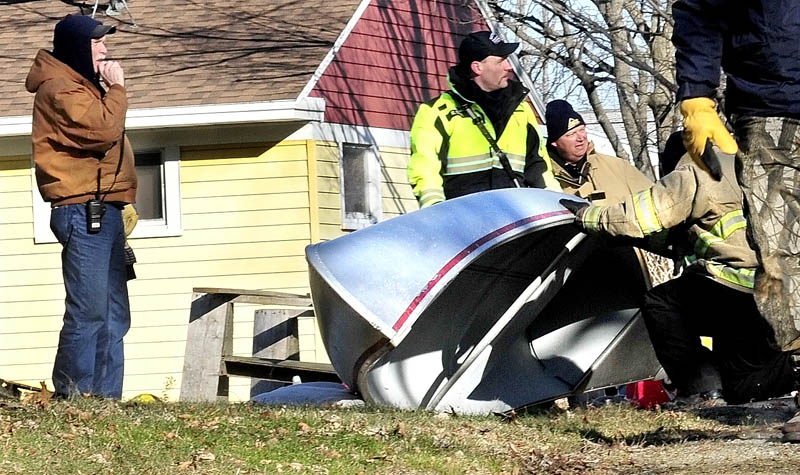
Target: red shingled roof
{"x": 186, "y": 52}
{"x": 396, "y": 57}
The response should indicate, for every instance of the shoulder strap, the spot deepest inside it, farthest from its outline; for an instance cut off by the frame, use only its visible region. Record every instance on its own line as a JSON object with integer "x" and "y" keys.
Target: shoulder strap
{"x": 465, "y": 110}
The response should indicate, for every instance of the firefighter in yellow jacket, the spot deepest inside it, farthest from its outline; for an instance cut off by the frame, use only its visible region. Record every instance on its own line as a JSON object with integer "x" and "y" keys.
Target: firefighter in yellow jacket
{"x": 450, "y": 155}
{"x": 713, "y": 296}
{"x": 579, "y": 169}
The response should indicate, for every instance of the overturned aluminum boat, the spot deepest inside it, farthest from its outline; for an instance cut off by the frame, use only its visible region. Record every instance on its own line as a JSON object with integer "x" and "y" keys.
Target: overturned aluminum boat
{"x": 485, "y": 303}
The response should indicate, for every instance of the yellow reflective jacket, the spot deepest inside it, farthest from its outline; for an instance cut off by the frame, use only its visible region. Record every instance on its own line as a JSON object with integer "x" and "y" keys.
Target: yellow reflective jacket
{"x": 708, "y": 213}
{"x": 450, "y": 156}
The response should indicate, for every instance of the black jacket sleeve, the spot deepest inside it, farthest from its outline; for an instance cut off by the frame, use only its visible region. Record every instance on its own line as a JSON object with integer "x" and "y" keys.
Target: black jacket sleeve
{"x": 698, "y": 40}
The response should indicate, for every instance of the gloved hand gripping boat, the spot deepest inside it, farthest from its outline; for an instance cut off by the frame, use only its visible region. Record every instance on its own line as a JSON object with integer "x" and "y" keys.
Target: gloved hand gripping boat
{"x": 485, "y": 303}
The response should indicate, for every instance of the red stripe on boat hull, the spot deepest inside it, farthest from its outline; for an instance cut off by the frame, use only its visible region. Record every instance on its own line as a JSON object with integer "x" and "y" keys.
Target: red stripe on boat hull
{"x": 463, "y": 254}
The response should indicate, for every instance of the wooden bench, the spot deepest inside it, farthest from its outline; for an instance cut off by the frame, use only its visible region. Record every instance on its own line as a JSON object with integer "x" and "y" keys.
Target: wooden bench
{"x": 208, "y": 360}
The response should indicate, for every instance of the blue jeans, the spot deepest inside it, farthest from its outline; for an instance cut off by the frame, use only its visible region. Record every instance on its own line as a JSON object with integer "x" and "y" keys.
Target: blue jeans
{"x": 90, "y": 355}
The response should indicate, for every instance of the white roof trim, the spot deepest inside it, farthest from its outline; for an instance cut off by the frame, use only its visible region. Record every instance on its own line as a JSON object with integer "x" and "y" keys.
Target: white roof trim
{"x": 15, "y": 125}
{"x": 381, "y": 137}
{"x": 348, "y": 28}
{"x": 309, "y": 109}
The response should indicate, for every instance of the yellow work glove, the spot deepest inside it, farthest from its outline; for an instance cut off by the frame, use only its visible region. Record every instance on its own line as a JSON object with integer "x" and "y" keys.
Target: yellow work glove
{"x": 129, "y": 218}
{"x": 701, "y": 123}
{"x": 142, "y": 399}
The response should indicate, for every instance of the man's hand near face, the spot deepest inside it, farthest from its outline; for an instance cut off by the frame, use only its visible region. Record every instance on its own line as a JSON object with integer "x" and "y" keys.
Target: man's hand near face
{"x": 111, "y": 73}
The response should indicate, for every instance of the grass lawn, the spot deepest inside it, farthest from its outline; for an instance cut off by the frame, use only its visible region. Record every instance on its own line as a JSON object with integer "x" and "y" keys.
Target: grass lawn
{"x": 96, "y": 436}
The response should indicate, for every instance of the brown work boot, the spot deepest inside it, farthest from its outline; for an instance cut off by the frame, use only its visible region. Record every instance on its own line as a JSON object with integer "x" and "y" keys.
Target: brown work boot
{"x": 793, "y": 345}
{"x": 704, "y": 400}
{"x": 791, "y": 430}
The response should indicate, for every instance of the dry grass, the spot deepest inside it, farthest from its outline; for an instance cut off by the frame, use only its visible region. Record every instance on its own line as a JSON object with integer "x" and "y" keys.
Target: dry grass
{"x": 95, "y": 436}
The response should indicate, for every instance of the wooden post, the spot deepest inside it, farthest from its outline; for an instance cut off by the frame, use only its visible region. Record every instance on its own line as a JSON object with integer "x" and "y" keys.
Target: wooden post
{"x": 209, "y": 338}
{"x": 274, "y": 337}
{"x": 209, "y": 342}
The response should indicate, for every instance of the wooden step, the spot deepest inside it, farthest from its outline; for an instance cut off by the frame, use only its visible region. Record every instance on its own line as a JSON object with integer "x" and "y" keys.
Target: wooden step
{"x": 278, "y": 370}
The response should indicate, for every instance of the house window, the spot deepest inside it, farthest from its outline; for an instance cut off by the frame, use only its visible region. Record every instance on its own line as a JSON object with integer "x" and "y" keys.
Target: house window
{"x": 150, "y": 195}
{"x": 360, "y": 185}
{"x": 157, "y": 198}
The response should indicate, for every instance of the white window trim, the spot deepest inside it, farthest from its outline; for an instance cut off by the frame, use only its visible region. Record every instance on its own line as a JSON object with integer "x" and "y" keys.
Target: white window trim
{"x": 41, "y": 215}
{"x": 170, "y": 225}
{"x": 373, "y": 169}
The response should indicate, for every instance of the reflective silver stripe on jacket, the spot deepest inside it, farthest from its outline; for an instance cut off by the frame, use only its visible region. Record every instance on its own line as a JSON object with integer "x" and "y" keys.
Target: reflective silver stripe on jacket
{"x": 744, "y": 277}
{"x": 430, "y": 196}
{"x": 646, "y": 212}
{"x": 484, "y": 161}
{"x": 591, "y": 217}
{"x": 741, "y": 277}
{"x": 725, "y": 227}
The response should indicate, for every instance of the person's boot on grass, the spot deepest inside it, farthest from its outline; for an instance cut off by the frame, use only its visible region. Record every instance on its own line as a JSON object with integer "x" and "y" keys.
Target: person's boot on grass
{"x": 791, "y": 430}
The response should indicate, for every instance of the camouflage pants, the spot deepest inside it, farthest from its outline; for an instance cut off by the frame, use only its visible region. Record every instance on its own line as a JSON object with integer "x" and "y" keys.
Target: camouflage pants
{"x": 768, "y": 170}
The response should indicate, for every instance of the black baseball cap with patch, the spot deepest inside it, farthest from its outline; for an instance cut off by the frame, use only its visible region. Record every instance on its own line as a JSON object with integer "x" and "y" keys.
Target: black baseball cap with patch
{"x": 480, "y": 44}
{"x": 560, "y": 118}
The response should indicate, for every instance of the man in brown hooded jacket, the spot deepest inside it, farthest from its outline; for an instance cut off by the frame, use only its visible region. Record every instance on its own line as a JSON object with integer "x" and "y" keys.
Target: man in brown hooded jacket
{"x": 85, "y": 169}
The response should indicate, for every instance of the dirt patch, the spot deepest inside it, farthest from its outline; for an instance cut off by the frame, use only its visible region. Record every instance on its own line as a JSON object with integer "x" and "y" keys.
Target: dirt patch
{"x": 759, "y": 420}
{"x": 749, "y": 442}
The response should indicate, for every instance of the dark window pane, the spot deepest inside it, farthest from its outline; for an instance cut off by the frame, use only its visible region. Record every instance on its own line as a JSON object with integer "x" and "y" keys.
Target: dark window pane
{"x": 150, "y": 193}
{"x": 355, "y": 178}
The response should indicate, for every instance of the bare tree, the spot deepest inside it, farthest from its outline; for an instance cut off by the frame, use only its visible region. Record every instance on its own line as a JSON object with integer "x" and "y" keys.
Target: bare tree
{"x": 618, "y": 51}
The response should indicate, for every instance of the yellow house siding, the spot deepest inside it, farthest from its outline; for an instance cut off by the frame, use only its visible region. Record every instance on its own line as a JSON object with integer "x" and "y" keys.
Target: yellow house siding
{"x": 246, "y": 222}
{"x": 16, "y": 212}
{"x": 395, "y": 190}
{"x": 397, "y": 197}
{"x": 330, "y": 207}
{"x": 25, "y": 306}
{"x": 248, "y": 212}
{"x": 313, "y": 192}
{"x": 258, "y": 233}
{"x": 251, "y": 203}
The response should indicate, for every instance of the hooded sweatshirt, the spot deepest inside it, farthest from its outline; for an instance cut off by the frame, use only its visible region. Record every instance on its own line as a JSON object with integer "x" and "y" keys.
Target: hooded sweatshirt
{"x": 78, "y": 132}
{"x": 72, "y": 45}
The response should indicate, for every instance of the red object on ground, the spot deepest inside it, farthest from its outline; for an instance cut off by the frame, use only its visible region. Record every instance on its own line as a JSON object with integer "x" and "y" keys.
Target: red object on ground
{"x": 646, "y": 394}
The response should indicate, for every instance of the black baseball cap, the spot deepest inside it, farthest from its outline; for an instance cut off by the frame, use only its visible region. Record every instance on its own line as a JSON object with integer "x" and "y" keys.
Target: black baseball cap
{"x": 480, "y": 44}
{"x": 73, "y": 27}
{"x": 102, "y": 30}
